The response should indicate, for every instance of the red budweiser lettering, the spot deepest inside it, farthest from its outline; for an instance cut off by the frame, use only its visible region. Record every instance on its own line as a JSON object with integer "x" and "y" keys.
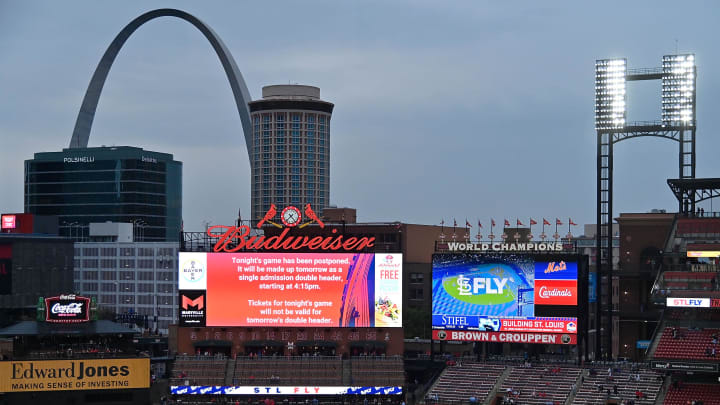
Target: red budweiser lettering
{"x": 233, "y": 239}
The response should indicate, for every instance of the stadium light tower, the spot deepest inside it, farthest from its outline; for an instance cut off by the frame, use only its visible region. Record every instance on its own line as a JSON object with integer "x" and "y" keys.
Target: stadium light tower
{"x": 678, "y": 75}
{"x": 610, "y": 93}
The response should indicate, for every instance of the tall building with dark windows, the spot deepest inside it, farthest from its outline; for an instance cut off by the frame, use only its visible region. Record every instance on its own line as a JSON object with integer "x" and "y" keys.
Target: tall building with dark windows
{"x": 291, "y": 149}
{"x": 117, "y": 184}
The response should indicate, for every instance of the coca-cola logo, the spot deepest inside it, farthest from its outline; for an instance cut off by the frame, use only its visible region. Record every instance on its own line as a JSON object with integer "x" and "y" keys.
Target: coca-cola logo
{"x": 66, "y": 310}
{"x": 555, "y": 292}
{"x": 74, "y": 308}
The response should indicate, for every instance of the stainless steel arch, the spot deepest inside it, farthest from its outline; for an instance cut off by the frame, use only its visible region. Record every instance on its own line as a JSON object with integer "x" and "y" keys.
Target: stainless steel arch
{"x": 83, "y": 124}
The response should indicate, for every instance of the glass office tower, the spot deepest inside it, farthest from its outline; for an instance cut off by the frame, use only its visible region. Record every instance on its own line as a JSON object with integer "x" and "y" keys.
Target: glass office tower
{"x": 117, "y": 184}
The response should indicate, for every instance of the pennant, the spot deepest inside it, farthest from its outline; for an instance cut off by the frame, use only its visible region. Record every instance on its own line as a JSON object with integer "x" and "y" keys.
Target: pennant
{"x": 546, "y": 222}
{"x": 467, "y": 224}
{"x": 492, "y": 222}
{"x": 507, "y": 223}
{"x": 571, "y": 222}
{"x": 455, "y": 222}
{"x": 533, "y": 222}
{"x": 558, "y": 221}
{"x": 479, "y": 224}
{"x": 519, "y": 223}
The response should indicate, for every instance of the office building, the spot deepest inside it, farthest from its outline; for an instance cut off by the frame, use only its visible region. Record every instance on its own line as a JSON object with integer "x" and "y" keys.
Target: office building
{"x": 291, "y": 149}
{"x": 118, "y": 184}
{"x": 128, "y": 277}
{"x": 32, "y": 266}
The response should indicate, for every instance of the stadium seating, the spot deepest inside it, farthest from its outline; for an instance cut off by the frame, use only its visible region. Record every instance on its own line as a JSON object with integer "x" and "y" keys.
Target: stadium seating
{"x": 280, "y": 370}
{"x": 692, "y": 344}
{"x": 460, "y": 382}
{"x": 687, "y": 280}
{"x": 594, "y": 389}
{"x": 377, "y": 371}
{"x": 198, "y": 371}
{"x": 709, "y": 394}
{"x": 534, "y": 385}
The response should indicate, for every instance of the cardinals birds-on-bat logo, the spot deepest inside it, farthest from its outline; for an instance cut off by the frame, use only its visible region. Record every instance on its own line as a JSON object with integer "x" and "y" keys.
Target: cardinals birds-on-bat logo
{"x": 291, "y": 217}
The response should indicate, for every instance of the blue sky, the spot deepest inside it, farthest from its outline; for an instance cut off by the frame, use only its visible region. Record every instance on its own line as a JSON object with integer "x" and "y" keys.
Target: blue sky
{"x": 442, "y": 109}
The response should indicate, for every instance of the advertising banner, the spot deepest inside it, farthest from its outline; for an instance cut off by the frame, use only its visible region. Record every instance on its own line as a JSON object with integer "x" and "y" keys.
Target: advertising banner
{"x": 8, "y": 222}
{"x": 545, "y": 325}
{"x": 292, "y": 289}
{"x": 503, "y": 293}
{"x": 61, "y": 375}
{"x": 284, "y": 390}
{"x": 506, "y": 337}
{"x": 688, "y": 302}
{"x": 684, "y": 366}
{"x": 67, "y": 309}
{"x": 192, "y": 308}
{"x": 592, "y": 286}
{"x": 5, "y": 276}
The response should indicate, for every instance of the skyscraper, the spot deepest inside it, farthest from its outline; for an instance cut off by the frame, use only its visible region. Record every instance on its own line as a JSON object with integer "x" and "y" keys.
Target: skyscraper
{"x": 117, "y": 184}
{"x": 291, "y": 148}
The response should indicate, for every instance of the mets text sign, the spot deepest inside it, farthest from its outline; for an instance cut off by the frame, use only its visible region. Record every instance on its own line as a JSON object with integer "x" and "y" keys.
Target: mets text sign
{"x": 61, "y": 375}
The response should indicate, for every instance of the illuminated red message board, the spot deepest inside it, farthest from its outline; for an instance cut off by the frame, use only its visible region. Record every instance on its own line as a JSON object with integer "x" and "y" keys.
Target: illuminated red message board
{"x": 294, "y": 289}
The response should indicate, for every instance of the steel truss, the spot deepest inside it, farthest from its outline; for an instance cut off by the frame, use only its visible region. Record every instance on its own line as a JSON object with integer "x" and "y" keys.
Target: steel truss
{"x": 606, "y": 139}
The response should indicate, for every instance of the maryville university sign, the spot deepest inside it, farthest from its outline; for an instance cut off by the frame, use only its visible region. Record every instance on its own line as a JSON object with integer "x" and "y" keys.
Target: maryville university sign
{"x": 238, "y": 238}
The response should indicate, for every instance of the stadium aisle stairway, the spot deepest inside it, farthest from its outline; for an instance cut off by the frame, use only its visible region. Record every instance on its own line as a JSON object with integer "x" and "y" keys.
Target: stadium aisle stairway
{"x": 459, "y": 383}
{"x": 708, "y": 393}
{"x": 594, "y": 389}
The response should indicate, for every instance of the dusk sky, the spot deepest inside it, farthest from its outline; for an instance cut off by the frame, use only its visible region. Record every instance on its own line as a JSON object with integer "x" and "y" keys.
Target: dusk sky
{"x": 457, "y": 109}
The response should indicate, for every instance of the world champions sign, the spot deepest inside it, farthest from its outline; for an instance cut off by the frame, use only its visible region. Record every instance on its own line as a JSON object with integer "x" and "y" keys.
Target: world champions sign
{"x": 64, "y": 375}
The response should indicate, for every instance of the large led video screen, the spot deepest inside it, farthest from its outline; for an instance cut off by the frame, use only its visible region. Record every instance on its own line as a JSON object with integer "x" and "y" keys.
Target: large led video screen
{"x": 290, "y": 289}
{"x": 504, "y": 293}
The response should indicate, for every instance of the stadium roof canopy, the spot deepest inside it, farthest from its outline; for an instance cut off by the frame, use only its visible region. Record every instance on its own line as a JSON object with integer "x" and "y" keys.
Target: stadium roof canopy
{"x": 694, "y": 189}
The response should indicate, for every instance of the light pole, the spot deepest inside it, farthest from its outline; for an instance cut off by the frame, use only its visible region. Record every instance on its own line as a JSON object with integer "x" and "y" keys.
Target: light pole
{"x": 137, "y": 229}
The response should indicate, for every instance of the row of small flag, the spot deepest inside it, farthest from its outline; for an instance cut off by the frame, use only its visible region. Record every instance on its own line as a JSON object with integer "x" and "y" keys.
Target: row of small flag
{"x": 507, "y": 223}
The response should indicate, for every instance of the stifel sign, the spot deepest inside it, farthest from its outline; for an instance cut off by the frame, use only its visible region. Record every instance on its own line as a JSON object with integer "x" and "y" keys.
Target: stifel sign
{"x": 237, "y": 238}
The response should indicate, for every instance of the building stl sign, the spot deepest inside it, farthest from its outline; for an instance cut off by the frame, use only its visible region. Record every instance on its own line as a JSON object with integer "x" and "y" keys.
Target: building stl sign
{"x": 237, "y": 238}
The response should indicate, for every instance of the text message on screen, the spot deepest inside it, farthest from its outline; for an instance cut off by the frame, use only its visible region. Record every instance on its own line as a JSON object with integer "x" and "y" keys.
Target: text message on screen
{"x": 294, "y": 289}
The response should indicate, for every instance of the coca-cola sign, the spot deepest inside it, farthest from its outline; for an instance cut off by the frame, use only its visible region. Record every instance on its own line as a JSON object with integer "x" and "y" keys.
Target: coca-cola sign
{"x": 67, "y": 309}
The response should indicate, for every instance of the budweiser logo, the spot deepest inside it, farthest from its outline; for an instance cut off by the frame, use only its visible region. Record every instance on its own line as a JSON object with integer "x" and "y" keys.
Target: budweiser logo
{"x": 233, "y": 239}
{"x": 69, "y": 309}
{"x": 554, "y": 292}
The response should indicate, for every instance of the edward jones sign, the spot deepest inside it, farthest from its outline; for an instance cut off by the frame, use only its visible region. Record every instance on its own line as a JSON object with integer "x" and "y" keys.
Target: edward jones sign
{"x": 62, "y": 375}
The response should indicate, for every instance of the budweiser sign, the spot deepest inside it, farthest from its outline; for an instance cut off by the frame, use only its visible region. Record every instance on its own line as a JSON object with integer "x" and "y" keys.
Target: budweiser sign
{"x": 237, "y": 238}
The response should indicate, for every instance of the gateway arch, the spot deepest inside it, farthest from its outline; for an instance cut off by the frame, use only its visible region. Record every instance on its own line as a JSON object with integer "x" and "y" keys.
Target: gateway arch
{"x": 83, "y": 124}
